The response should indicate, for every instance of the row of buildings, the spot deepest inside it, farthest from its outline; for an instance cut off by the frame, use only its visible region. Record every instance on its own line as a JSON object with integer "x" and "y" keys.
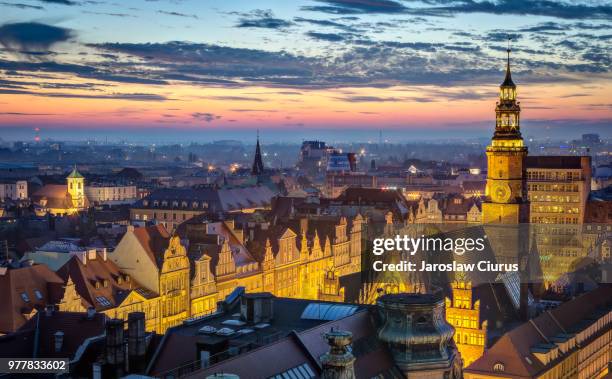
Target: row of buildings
{"x": 173, "y": 277}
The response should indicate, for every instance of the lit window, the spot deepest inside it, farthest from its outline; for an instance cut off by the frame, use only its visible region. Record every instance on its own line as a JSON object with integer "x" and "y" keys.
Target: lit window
{"x": 499, "y": 367}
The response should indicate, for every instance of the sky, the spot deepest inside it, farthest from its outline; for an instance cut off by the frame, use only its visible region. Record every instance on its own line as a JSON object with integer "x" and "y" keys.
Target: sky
{"x": 425, "y": 68}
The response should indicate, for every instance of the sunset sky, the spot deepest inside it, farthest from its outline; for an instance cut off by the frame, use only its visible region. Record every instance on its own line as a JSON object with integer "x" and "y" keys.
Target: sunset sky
{"x": 177, "y": 65}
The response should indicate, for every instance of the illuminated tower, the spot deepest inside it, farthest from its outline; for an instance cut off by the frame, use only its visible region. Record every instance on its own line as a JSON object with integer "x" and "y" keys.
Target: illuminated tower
{"x": 76, "y": 188}
{"x": 463, "y": 313}
{"x": 505, "y": 190}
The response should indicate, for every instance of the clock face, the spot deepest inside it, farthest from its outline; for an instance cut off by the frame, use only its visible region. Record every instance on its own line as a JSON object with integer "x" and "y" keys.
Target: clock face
{"x": 501, "y": 193}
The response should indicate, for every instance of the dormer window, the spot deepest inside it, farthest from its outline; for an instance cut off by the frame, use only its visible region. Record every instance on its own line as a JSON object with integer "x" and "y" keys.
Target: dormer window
{"x": 97, "y": 285}
{"x": 195, "y": 204}
{"x": 175, "y": 203}
{"x": 105, "y": 282}
{"x": 145, "y": 203}
{"x": 38, "y": 295}
{"x": 156, "y": 203}
{"x": 499, "y": 367}
{"x": 25, "y": 297}
{"x": 164, "y": 203}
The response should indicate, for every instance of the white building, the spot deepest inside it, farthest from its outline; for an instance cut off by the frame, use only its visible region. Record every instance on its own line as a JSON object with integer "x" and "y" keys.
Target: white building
{"x": 17, "y": 190}
{"x": 111, "y": 193}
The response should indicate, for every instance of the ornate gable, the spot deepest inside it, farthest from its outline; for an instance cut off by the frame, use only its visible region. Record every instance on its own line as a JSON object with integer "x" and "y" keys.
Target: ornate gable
{"x": 226, "y": 264}
{"x": 175, "y": 256}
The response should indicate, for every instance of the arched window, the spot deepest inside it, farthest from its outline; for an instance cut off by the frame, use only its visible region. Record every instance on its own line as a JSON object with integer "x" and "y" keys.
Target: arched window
{"x": 499, "y": 367}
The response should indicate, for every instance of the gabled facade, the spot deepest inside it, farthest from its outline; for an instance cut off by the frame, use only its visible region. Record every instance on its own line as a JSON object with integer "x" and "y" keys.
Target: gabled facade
{"x": 463, "y": 313}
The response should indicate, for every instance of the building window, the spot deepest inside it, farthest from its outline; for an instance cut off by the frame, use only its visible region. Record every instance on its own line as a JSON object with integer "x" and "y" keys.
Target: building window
{"x": 499, "y": 367}
{"x": 25, "y": 297}
{"x": 38, "y": 295}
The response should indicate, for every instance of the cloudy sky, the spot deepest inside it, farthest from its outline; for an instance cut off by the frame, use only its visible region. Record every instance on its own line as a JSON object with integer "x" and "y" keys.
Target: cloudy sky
{"x": 302, "y": 65}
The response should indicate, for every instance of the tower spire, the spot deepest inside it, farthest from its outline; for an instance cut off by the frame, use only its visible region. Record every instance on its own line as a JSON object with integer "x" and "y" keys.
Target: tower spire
{"x": 258, "y": 167}
{"x": 508, "y": 79}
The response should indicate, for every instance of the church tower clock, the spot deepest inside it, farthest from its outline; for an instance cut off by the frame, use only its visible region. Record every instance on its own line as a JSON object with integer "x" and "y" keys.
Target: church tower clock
{"x": 505, "y": 190}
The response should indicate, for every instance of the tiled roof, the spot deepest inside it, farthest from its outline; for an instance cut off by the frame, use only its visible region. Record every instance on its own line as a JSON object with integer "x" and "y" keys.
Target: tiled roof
{"x": 99, "y": 282}
{"x": 56, "y": 196}
{"x": 25, "y": 289}
{"x": 514, "y": 349}
{"x": 216, "y": 199}
{"x": 37, "y": 337}
{"x": 154, "y": 240}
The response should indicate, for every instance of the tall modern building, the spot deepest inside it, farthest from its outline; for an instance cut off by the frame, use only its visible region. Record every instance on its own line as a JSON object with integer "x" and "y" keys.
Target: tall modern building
{"x": 505, "y": 190}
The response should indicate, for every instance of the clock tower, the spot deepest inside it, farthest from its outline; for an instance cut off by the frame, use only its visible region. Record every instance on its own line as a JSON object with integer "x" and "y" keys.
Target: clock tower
{"x": 505, "y": 190}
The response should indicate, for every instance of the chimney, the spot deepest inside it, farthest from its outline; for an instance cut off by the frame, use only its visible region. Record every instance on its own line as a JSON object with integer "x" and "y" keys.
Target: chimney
{"x": 136, "y": 341}
{"x": 115, "y": 346}
{"x": 338, "y": 362}
{"x": 91, "y": 312}
{"x": 204, "y": 359}
{"x": 257, "y": 307}
{"x": 49, "y": 310}
{"x": 58, "y": 339}
{"x": 97, "y": 371}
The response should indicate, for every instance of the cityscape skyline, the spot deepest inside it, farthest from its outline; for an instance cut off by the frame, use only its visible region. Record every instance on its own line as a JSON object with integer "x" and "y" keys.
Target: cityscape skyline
{"x": 357, "y": 66}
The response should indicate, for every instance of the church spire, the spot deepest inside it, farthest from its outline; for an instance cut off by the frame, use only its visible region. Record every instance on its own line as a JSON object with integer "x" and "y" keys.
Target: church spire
{"x": 508, "y": 79}
{"x": 258, "y": 167}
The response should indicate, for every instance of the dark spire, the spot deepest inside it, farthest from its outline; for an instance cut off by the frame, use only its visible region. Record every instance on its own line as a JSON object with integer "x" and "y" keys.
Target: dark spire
{"x": 258, "y": 167}
{"x": 508, "y": 80}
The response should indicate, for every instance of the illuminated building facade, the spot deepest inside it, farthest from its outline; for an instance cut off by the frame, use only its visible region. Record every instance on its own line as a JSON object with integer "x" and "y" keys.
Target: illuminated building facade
{"x": 111, "y": 193}
{"x": 558, "y": 188}
{"x": 58, "y": 199}
{"x": 463, "y": 313}
{"x": 13, "y": 190}
{"x": 305, "y": 263}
